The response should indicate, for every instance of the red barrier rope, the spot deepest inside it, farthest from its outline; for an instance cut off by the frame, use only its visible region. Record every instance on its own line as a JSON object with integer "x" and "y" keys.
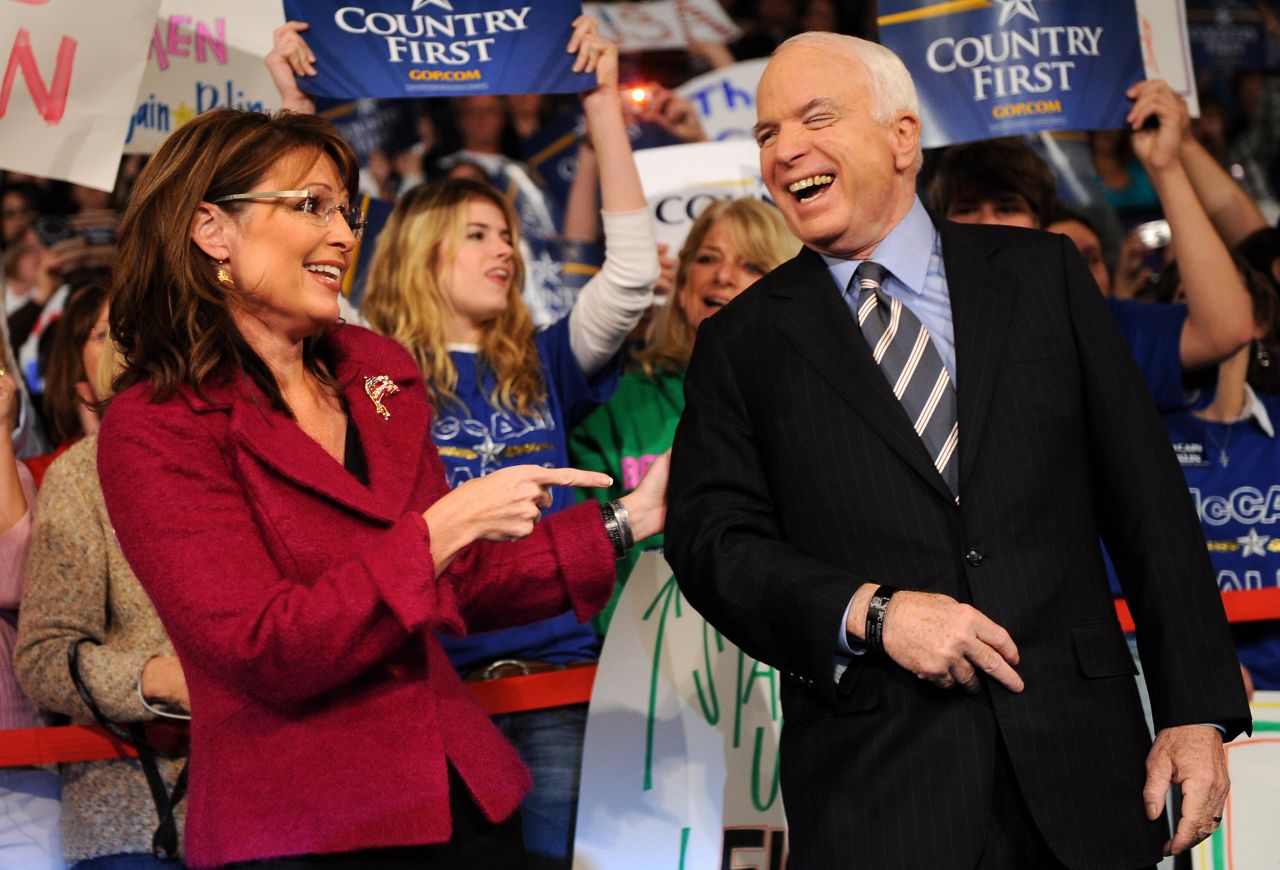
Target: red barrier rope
{"x": 27, "y": 746}
{"x": 509, "y": 695}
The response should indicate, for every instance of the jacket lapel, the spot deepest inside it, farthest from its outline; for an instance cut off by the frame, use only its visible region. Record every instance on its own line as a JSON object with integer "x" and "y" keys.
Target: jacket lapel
{"x": 815, "y": 320}
{"x": 982, "y": 296}
{"x": 392, "y": 446}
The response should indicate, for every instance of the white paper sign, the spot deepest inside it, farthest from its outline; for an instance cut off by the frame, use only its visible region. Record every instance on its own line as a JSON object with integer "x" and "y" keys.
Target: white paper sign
{"x": 680, "y": 765}
{"x": 1166, "y": 49}
{"x": 663, "y": 24}
{"x": 71, "y": 72}
{"x": 204, "y": 54}
{"x": 681, "y": 180}
{"x": 1247, "y": 835}
{"x": 726, "y": 98}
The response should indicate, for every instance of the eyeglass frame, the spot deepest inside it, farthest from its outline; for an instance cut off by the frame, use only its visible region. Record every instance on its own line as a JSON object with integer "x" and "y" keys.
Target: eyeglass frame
{"x": 351, "y": 213}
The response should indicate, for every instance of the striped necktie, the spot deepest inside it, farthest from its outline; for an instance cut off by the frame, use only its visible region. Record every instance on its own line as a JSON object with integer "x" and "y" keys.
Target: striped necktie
{"x": 901, "y": 347}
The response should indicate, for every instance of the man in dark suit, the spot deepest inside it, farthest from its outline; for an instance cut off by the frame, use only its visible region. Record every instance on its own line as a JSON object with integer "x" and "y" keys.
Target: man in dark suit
{"x": 959, "y": 419}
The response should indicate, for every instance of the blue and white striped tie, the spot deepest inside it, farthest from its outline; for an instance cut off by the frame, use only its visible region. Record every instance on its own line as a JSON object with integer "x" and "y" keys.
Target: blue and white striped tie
{"x": 902, "y": 348}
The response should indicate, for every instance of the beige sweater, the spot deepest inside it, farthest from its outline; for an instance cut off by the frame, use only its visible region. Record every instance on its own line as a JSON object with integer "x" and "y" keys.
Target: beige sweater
{"x": 78, "y": 586}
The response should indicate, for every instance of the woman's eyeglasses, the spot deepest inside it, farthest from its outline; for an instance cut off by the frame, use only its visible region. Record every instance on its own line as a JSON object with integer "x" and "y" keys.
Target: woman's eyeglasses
{"x": 318, "y": 209}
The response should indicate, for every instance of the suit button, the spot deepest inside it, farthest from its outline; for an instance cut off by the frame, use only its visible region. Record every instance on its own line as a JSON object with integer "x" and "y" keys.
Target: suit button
{"x": 973, "y": 557}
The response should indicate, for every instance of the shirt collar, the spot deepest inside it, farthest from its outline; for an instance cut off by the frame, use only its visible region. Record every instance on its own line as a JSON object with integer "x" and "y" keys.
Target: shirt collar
{"x": 899, "y": 251}
{"x": 1255, "y": 410}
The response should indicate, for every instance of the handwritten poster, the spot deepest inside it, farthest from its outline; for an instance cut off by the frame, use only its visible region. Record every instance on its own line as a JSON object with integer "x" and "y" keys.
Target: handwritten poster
{"x": 203, "y": 54}
{"x": 680, "y": 765}
{"x": 71, "y": 71}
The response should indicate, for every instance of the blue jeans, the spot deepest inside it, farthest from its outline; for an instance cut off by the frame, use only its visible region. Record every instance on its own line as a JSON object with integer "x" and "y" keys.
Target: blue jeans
{"x": 550, "y": 743}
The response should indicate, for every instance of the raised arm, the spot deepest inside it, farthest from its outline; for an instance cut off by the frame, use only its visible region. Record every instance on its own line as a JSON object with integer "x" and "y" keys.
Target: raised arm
{"x": 618, "y": 295}
{"x": 290, "y": 57}
{"x": 1219, "y": 314}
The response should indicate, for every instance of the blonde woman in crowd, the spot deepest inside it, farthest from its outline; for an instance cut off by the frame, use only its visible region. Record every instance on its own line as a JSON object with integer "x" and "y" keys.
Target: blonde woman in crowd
{"x": 446, "y": 281}
{"x": 729, "y": 247}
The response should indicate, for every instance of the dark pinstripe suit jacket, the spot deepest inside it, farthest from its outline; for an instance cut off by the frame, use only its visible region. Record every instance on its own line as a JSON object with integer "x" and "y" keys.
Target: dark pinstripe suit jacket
{"x": 796, "y": 477}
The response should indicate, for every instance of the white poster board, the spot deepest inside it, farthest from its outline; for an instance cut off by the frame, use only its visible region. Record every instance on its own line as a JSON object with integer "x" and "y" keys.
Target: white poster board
{"x": 726, "y": 98}
{"x": 663, "y": 24}
{"x": 681, "y": 180}
{"x": 71, "y": 73}
{"x": 1166, "y": 48}
{"x": 680, "y": 765}
{"x": 1247, "y": 836}
{"x": 204, "y": 54}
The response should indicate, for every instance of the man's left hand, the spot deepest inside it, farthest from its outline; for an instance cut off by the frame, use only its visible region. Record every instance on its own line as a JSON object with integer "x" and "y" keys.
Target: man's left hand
{"x": 1193, "y": 757}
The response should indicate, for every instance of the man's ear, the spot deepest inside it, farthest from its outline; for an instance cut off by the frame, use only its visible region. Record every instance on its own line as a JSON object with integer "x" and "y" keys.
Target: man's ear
{"x": 906, "y": 139}
{"x": 210, "y": 231}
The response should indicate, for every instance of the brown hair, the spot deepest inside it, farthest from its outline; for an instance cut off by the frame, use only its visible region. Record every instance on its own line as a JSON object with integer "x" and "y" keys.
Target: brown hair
{"x": 759, "y": 233}
{"x": 991, "y": 167}
{"x": 407, "y": 296}
{"x": 66, "y": 362}
{"x": 170, "y": 315}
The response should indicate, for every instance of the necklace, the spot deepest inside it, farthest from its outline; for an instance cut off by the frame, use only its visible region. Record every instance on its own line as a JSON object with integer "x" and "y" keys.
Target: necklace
{"x": 1224, "y": 458}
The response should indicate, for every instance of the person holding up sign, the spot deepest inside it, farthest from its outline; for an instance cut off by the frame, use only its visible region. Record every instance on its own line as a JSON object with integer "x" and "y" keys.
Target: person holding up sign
{"x": 269, "y": 474}
{"x": 445, "y": 281}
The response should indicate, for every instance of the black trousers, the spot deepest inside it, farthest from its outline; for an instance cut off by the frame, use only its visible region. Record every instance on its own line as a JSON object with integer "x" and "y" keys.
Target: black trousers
{"x": 1014, "y": 841}
{"x": 476, "y": 844}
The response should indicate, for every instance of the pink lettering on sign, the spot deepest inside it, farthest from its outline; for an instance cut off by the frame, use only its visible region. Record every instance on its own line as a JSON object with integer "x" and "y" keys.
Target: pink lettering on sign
{"x": 176, "y": 40}
{"x": 633, "y": 469}
{"x": 51, "y": 101}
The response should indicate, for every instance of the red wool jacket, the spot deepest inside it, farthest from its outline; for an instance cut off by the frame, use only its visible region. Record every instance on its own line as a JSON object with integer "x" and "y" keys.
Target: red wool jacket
{"x": 304, "y": 608}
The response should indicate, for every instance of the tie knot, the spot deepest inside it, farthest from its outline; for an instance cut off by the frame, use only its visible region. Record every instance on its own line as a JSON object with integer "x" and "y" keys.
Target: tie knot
{"x": 869, "y": 276}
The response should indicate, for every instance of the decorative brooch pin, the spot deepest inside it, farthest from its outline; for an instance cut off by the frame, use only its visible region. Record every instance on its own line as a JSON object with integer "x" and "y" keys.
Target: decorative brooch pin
{"x": 379, "y": 387}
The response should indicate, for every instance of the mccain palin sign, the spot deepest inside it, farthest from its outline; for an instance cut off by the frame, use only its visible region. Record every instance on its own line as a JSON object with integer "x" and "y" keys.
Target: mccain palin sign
{"x": 989, "y": 68}
{"x": 427, "y": 48}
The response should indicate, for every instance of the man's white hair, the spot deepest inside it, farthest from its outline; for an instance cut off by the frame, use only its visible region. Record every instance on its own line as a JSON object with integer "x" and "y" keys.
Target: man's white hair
{"x": 892, "y": 89}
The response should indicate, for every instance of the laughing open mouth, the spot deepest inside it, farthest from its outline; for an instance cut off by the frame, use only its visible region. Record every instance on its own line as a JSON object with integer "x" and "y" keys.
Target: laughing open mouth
{"x": 807, "y": 188}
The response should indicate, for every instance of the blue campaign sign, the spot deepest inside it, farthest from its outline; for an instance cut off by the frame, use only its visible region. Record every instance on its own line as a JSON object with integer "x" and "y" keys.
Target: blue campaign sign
{"x": 433, "y": 48}
{"x": 988, "y": 68}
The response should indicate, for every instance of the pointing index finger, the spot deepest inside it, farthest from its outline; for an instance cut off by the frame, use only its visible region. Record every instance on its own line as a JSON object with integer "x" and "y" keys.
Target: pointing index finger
{"x": 571, "y": 477}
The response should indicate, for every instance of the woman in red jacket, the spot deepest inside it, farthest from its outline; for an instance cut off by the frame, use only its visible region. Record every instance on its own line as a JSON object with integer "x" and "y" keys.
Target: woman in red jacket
{"x": 270, "y": 475}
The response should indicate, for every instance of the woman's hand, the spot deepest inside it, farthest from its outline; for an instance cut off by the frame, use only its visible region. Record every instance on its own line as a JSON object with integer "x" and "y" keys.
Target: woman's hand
{"x": 595, "y": 55}
{"x": 290, "y": 57}
{"x": 647, "y": 504}
{"x": 503, "y": 506}
{"x": 163, "y": 680}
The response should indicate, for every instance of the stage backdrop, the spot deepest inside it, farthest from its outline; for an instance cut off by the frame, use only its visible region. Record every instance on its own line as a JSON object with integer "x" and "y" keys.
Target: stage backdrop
{"x": 439, "y": 48}
{"x": 680, "y": 768}
{"x": 71, "y": 73}
{"x": 205, "y": 54}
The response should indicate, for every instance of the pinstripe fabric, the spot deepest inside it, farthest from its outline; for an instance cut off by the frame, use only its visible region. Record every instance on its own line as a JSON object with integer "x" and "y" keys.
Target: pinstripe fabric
{"x": 901, "y": 347}
{"x": 796, "y": 477}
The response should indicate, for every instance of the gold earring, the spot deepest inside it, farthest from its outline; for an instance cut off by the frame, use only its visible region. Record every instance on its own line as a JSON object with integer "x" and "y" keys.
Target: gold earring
{"x": 223, "y": 276}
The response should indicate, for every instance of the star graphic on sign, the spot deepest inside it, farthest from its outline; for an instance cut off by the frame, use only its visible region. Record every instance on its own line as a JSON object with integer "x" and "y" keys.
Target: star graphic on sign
{"x": 183, "y": 114}
{"x": 544, "y": 271}
{"x": 488, "y": 450}
{"x": 446, "y": 5}
{"x": 1010, "y": 8}
{"x": 1253, "y": 544}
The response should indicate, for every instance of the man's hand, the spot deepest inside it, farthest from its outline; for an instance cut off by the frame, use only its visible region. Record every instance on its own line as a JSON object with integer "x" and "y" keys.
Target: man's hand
{"x": 941, "y": 640}
{"x": 1193, "y": 757}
